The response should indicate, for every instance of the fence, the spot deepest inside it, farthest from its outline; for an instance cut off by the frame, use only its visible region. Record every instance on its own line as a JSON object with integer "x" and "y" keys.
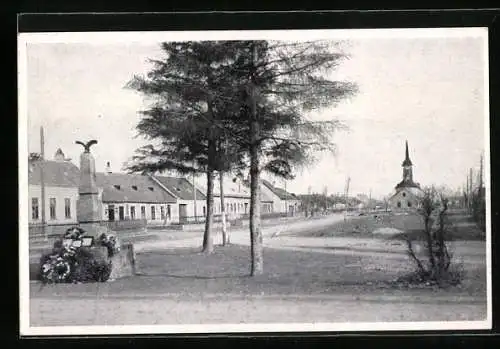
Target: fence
{"x": 36, "y": 230}
{"x": 125, "y": 224}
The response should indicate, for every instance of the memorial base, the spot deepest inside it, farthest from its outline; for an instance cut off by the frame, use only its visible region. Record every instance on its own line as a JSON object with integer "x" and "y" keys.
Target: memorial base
{"x": 123, "y": 264}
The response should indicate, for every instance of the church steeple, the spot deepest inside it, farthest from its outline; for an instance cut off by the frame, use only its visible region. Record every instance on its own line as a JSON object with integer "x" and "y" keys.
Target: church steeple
{"x": 407, "y": 171}
{"x": 407, "y": 161}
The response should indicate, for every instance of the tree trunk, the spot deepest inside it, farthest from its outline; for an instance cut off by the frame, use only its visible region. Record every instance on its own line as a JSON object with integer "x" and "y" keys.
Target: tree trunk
{"x": 428, "y": 235}
{"x": 255, "y": 222}
{"x": 255, "y": 219}
{"x": 225, "y": 234}
{"x": 208, "y": 244}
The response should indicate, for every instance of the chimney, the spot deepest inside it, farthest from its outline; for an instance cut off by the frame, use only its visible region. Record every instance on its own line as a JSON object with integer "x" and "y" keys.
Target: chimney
{"x": 108, "y": 168}
{"x": 59, "y": 155}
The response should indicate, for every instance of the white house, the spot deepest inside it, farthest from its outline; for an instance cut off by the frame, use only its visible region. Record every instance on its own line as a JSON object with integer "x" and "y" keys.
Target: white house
{"x": 186, "y": 197}
{"x": 282, "y": 201}
{"x": 135, "y": 197}
{"x": 61, "y": 178}
{"x": 236, "y": 197}
{"x": 124, "y": 197}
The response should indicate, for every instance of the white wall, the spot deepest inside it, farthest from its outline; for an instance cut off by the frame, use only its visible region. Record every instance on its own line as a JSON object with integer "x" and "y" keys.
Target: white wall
{"x": 277, "y": 205}
{"x": 235, "y": 206}
{"x": 127, "y": 208}
{"x": 200, "y": 204}
{"x": 59, "y": 194}
{"x": 404, "y": 197}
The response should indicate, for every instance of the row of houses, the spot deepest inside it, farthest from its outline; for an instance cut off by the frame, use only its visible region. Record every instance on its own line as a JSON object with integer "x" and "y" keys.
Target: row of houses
{"x": 158, "y": 200}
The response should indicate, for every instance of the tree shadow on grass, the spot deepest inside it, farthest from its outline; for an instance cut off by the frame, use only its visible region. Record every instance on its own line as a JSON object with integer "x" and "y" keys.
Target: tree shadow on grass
{"x": 353, "y": 249}
{"x": 194, "y": 277}
{"x": 173, "y": 251}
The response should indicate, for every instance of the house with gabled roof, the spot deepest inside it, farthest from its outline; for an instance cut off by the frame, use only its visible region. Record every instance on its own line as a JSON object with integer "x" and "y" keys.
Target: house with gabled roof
{"x": 124, "y": 196}
{"x": 283, "y": 201}
{"x": 133, "y": 197}
{"x": 61, "y": 178}
{"x": 189, "y": 199}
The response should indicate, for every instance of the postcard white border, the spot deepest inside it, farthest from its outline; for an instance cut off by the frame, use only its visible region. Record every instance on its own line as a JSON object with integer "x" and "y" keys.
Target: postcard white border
{"x": 296, "y": 35}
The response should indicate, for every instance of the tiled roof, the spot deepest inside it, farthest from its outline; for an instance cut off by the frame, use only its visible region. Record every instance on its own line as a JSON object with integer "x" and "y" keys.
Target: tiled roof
{"x": 263, "y": 197}
{"x": 55, "y": 173}
{"x": 123, "y": 187}
{"x": 416, "y": 191}
{"x": 67, "y": 174}
{"x": 180, "y": 187}
{"x": 407, "y": 184}
{"x": 281, "y": 193}
{"x": 231, "y": 189}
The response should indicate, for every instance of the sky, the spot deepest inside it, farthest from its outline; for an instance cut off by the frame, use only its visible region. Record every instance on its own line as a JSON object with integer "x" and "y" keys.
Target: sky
{"x": 429, "y": 91}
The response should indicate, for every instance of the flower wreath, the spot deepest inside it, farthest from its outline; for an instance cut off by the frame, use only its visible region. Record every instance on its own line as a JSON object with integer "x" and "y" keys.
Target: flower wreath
{"x": 59, "y": 266}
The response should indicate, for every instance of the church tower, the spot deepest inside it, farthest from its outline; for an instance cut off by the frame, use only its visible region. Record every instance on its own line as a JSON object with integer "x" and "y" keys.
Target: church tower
{"x": 407, "y": 171}
{"x": 407, "y": 167}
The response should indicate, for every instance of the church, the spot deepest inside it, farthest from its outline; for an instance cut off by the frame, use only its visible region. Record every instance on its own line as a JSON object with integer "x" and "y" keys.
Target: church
{"x": 407, "y": 193}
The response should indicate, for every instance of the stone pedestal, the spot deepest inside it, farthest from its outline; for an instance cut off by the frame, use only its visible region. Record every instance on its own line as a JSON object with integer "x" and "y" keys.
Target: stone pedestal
{"x": 94, "y": 229}
{"x": 124, "y": 263}
{"x": 89, "y": 205}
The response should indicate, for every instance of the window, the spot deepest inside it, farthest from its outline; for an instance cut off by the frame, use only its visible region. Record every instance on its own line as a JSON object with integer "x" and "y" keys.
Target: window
{"x": 162, "y": 212}
{"x": 151, "y": 188}
{"x": 399, "y": 203}
{"x": 117, "y": 187}
{"x": 153, "y": 213}
{"x": 34, "y": 208}
{"x": 169, "y": 211}
{"x": 67, "y": 208}
{"x": 404, "y": 194}
{"x": 132, "y": 212}
{"x": 52, "y": 208}
{"x": 143, "y": 212}
{"x": 409, "y": 204}
{"x": 204, "y": 211}
{"x": 134, "y": 187}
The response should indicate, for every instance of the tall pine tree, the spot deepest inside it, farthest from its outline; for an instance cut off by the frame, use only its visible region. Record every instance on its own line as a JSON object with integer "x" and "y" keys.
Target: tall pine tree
{"x": 188, "y": 95}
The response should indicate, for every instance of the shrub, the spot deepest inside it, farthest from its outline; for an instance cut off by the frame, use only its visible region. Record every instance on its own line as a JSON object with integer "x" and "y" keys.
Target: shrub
{"x": 436, "y": 267}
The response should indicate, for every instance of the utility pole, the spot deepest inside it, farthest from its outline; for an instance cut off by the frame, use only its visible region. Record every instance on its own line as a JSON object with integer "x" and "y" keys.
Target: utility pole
{"x": 471, "y": 190}
{"x": 194, "y": 200}
{"x": 346, "y": 197}
{"x": 286, "y": 203}
{"x": 42, "y": 182}
{"x": 480, "y": 179}
{"x": 370, "y": 200}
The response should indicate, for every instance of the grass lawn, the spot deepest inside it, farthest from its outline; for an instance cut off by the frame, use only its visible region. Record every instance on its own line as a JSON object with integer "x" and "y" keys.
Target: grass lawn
{"x": 185, "y": 286}
{"x": 226, "y": 271}
{"x": 461, "y": 226}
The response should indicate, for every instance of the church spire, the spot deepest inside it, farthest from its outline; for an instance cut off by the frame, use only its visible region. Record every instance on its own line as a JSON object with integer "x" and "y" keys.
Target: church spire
{"x": 407, "y": 161}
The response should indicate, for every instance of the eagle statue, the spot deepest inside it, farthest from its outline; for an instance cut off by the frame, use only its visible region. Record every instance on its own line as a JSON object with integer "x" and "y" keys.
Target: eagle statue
{"x": 87, "y": 145}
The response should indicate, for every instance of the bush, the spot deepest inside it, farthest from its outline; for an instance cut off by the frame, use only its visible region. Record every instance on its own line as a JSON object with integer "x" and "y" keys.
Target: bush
{"x": 436, "y": 267}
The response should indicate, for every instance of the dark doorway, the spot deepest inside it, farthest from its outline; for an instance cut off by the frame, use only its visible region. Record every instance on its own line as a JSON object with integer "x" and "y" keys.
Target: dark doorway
{"x": 182, "y": 213}
{"x": 111, "y": 212}
{"x": 121, "y": 213}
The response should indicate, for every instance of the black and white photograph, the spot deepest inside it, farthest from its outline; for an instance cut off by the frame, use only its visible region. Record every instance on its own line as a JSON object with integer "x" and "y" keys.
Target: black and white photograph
{"x": 254, "y": 181}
